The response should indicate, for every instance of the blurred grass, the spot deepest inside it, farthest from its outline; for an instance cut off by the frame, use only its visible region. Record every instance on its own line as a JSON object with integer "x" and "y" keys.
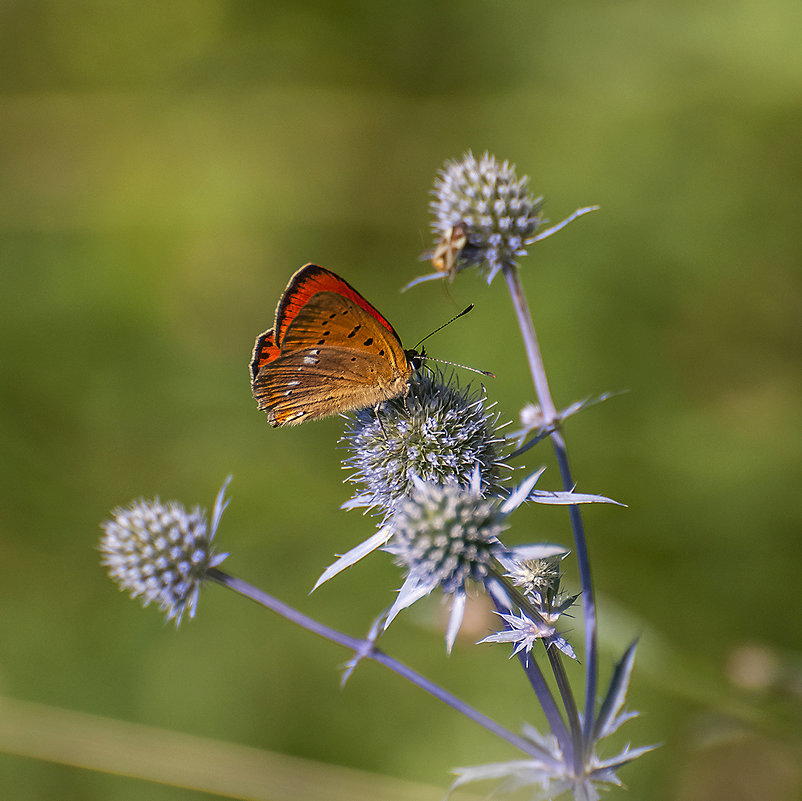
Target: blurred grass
{"x": 130, "y": 751}
{"x": 163, "y": 171}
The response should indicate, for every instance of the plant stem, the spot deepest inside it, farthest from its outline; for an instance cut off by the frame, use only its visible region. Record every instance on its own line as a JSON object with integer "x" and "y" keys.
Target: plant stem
{"x": 574, "y": 746}
{"x": 501, "y": 600}
{"x": 366, "y": 649}
{"x": 551, "y": 419}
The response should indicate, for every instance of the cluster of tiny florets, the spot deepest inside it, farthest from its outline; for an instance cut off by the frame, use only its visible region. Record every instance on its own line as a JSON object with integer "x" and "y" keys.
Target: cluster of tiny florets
{"x": 493, "y": 207}
{"x": 159, "y": 552}
{"x": 539, "y": 581}
{"x": 447, "y": 534}
{"x": 540, "y": 607}
{"x": 438, "y": 432}
{"x": 538, "y": 578}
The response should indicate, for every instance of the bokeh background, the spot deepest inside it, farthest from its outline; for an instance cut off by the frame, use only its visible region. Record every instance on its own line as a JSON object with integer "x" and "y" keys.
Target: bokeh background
{"x": 165, "y": 167}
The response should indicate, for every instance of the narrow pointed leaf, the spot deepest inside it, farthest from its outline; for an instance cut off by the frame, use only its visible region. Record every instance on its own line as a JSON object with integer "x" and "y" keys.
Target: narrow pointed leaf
{"x": 554, "y": 228}
{"x": 421, "y": 279}
{"x": 354, "y": 555}
{"x": 561, "y": 498}
{"x": 525, "y": 553}
{"x": 608, "y": 719}
{"x": 220, "y": 505}
{"x": 412, "y": 590}
{"x": 626, "y": 756}
{"x": 563, "y": 645}
{"x": 455, "y": 619}
{"x": 359, "y": 502}
{"x": 368, "y": 646}
{"x": 521, "y": 492}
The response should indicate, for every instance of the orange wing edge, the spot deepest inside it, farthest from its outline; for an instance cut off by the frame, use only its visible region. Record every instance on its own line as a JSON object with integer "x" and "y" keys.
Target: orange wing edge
{"x": 265, "y": 351}
{"x": 310, "y": 280}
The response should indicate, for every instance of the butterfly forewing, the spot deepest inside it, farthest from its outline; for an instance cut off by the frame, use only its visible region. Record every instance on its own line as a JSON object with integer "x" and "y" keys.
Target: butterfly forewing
{"x": 304, "y": 285}
{"x": 330, "y": 320}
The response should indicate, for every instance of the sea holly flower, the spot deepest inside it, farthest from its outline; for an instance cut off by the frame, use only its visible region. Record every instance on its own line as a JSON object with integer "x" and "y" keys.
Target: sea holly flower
{"x": 492, "y": 206}
{"x": 537, "y": 578}
{"x": 431, "y": 464}
{"x": 161, "y": 552}
{"x": 439, "y": 432}
{"x": 484, "y": 216}
{"x": 535, "y": 591}
{"x": 447, "y": 536}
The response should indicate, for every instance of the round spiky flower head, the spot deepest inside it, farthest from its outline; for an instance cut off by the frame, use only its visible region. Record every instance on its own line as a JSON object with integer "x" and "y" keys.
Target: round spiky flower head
{"x": 445, "y": 536}
{"x": 537, "y": 577}
{"x": 486, "y": 202}
{"x": 439, "y": 432}
{"x": 162, "y": 552}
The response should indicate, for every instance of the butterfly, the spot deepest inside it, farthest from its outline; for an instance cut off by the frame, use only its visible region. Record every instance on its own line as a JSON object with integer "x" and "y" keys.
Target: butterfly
{"x": 329, "y": 351}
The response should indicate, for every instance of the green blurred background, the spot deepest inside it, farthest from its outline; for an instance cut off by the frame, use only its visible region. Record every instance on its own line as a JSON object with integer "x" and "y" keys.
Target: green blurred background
{"x": 165, "y": 167}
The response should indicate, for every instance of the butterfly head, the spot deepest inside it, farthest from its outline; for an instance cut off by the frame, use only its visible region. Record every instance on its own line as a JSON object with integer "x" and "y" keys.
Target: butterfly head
{"x": 415, "y": 357}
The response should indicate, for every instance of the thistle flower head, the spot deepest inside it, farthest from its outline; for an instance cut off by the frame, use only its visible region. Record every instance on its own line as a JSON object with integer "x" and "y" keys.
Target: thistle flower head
{"x": 535, "y": 591}
{"x": 487, "y": 202}
{"x": 539, "y": 578}
{"x": 446, "y": 535}
{"x": 439, "y": 432}
{"x": 162, "y": 552}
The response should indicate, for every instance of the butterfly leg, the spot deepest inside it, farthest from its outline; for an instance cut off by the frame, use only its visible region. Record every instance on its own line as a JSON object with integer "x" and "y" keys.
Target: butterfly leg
{"x": 379, "y": 420}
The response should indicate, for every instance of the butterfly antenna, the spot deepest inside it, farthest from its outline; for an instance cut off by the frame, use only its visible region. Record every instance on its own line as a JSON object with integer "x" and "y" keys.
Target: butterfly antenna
{"x": 461, "y": 314}
{"x": 455, "y": 364}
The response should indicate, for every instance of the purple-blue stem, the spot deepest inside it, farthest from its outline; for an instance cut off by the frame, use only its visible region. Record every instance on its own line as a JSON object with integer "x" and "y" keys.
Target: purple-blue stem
{"x": 551, "y": 419}
{"x": 367, "y": 650}
{"x": 538, "y": 682}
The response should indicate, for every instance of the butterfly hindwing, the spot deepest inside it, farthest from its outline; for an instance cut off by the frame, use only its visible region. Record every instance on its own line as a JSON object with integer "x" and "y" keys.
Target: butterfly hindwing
{"x": 314, "y": 382}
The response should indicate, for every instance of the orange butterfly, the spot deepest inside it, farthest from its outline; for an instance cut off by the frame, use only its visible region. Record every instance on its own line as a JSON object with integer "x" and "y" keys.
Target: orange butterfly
{"x": 329, "y": 351}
